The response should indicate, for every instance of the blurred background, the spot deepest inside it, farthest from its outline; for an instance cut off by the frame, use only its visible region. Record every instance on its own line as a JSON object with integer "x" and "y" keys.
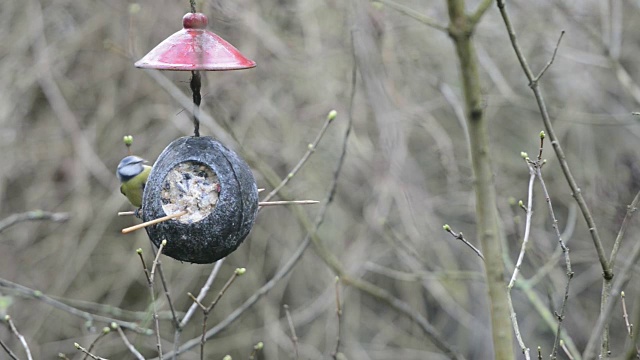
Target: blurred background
{"x": 69, "y": 92}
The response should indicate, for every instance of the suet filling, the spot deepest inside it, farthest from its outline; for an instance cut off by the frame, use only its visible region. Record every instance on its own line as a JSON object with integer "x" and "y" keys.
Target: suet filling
{"x": 190, "y": 186}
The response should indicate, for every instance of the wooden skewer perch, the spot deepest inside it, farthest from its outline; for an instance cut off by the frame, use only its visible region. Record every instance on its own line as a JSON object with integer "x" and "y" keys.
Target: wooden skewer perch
{"x": 155, "y": 221}
{"x": 177, "y": 215}
{"x": 292, "y": 202}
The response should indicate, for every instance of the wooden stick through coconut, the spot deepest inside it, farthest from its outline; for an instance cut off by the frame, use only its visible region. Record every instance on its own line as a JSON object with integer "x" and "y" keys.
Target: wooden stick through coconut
{"x": 155, "y": 221}
{"x": 293, "y": 202}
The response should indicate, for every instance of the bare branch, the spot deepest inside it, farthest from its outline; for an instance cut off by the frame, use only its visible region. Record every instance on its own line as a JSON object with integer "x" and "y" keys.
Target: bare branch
{"x": 414, "y": 15}
{"x": 460, "y": 237}
{"x": 555, "y": 51}
{"x": 20, "y": 337}
{"x": 35, "y": 215}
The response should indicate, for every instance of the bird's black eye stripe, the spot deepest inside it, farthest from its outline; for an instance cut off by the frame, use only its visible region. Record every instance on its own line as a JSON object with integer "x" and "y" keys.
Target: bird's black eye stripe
{"x": 126, "y": 177}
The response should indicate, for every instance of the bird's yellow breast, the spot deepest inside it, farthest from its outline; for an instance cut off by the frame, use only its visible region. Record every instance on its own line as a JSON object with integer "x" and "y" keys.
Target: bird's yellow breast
{"x": 134, "y": 187}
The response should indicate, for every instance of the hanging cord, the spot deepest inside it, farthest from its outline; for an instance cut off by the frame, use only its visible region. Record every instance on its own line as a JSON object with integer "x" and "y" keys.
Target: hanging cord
{"x": 197, "y": 98}
{"x": 195, "y": 89}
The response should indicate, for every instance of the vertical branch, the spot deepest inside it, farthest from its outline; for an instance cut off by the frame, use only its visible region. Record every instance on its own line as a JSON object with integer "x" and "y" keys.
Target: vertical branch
{"x": 516, "y": 270}
{"x": 461, "y": 30}
{"x": 565, "y": 251}
{"x": 150, "y": 274}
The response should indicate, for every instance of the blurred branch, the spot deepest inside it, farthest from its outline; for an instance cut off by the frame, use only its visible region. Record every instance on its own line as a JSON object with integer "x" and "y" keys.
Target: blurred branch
{"x": 83, "y": 148}
{"x": 311, "y": 149}
{"x": 610, "y": 51}
{"x": 34, "y": 215}
{"x": 38, "y": 295}
{"x": 336, "y": 352}
{"x": 414, "y": 15}
{"x": 292, "y": 328}
{"x": 622, "y": 277}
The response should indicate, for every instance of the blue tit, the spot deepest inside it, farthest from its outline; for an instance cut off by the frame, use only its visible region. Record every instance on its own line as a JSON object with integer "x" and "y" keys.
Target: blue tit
{"x": 133, "y": 175}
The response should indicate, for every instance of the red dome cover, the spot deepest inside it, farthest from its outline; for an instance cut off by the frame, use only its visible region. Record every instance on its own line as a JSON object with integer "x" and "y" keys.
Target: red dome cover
{"x": 195, "y": 48}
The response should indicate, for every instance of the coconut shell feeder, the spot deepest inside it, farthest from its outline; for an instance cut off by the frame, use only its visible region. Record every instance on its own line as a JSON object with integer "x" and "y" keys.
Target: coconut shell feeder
{"x": 216, "y": 188}
{"x": 200, "y": 196}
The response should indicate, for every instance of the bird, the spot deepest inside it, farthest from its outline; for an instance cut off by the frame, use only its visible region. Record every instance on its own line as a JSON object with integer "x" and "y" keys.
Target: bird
{"x": 133, "y": 174}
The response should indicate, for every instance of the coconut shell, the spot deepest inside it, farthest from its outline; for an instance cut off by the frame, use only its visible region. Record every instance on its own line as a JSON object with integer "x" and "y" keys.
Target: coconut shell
{"x": 221, "y": 231}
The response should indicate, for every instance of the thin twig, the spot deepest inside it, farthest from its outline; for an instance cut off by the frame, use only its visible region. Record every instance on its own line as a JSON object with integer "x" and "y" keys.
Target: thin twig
{"x": 89, "y": 317}
{"x": 87, "y": 353}
{"x": 153, "y": 222}
{"x": 128, "y": 344}
{"x": 207, "y": 310}
{"x": 516, "y": 328}
{"x": 525, "y": 239}
{"x": 150, "y": 275}
{"x": 9, "y": 352}
{"x": 165, "y": 287}
{"x": 203, "y": 292}
{"x": 292, "y": 328}
{"x": 625, "y": 315}
{"x": 475, "y": 17}
{"x": 20, "y": 337}
{"x": 628, "y": 324}
{"x": 605, "y": 313}
{"x": 156, "y": 261}
{"x": 336, "y": 351}
{"x": 414, "y": 15}
{"x": 310, "y": 150}
{"x": 566, "y": 351}
{"x": 565, "y": 250}
{"x": 93, "y": 344}
{"x": 631, "y": 209}
{"x": 555, "y": 51}
{"x": 256, "y": 348}
{"x": 527, "y": 225}
{"x": 288, "y": 202}
{"x": 460, "y": 237}
{"x": 35, "y": 215}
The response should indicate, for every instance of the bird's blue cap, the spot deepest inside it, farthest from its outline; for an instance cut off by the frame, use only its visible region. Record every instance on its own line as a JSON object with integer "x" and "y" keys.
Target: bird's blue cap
{"x": 129, "y": 167}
